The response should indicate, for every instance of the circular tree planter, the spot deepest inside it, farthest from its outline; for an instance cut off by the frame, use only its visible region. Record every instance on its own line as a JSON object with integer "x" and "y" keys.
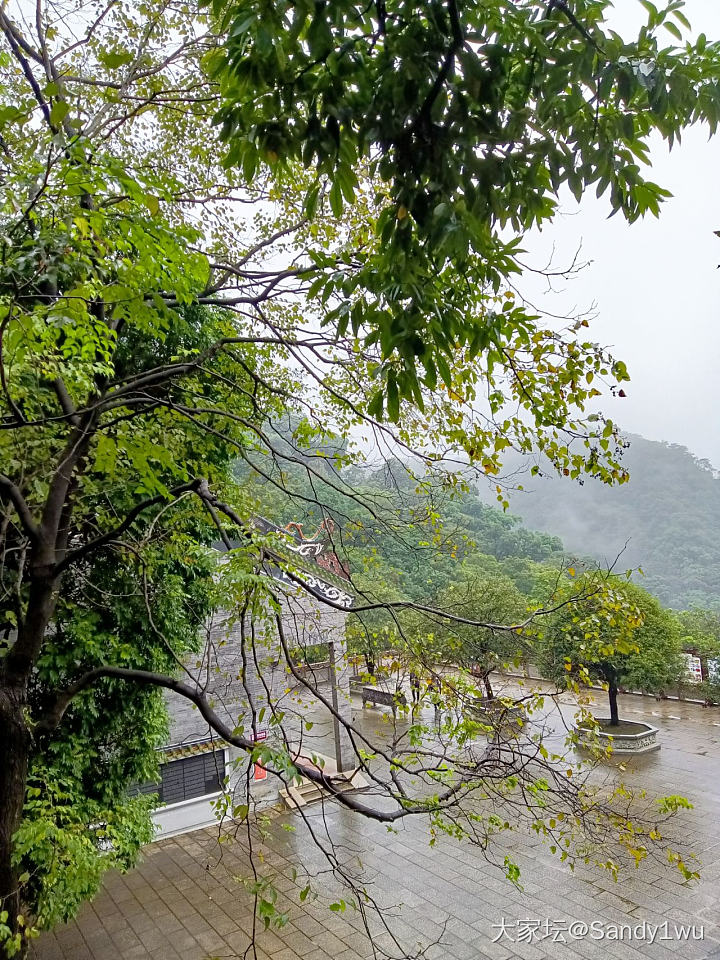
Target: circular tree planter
{"x": 628, "y": 737}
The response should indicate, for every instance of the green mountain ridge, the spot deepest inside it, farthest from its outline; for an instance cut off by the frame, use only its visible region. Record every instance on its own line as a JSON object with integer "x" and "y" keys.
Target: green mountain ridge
{"x": 665, "y": 520}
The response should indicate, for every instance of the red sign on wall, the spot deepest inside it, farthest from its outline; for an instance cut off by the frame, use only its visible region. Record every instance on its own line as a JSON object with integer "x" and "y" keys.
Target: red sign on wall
{"x": 259, "y": 773}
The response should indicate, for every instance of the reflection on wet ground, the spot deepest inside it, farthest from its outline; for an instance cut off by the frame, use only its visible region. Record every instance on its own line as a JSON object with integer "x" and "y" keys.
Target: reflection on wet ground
{"x": 184, "y": 900}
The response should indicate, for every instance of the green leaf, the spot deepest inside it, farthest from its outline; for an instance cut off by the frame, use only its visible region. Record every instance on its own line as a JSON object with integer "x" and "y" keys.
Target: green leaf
{"x": 444, "y": 369}
{"x": 117, "y": 58}
{"x": 336, "y": 199}
{"x": 310, "y": 202}
{"x": 59, "y": 111}
{"x": 375, "y": 406}
{"x": 319, "y": 36}
{"x": 393, "y": 399}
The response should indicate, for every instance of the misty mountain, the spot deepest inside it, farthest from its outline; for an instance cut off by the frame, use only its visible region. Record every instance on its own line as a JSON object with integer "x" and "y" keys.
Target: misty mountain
{"x": 668, "y": 514}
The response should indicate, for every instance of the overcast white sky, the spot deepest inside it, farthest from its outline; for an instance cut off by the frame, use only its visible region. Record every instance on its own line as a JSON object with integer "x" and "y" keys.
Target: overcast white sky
{"x": 655, "y": 284}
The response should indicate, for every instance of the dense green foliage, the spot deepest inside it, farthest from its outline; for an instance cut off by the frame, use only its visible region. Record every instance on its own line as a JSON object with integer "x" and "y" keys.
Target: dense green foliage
{"x": 617, "y": 634}
{"x": 669, "y": 516}
{"x": 481, "y": 562}
{"x": 79, "y": 819}
{"x": 480, "y": 650}
{"x": 138, "y": 604}
{"x": 701, "y": 631}
{"x": 417, "y": 535}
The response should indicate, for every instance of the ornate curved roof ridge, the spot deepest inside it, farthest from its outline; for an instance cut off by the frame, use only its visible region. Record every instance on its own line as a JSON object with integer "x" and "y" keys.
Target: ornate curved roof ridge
{"x": 309, "y": 554}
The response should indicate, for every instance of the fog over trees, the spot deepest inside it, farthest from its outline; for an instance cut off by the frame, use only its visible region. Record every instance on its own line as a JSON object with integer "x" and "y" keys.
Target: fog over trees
{"x": 665, "y": 521}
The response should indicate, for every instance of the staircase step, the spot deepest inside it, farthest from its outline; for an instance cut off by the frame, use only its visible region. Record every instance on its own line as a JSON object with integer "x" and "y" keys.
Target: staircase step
{"x": 309, "y": 789}
{"x": 301, "y": 795}
{"x": 308, "y": 792}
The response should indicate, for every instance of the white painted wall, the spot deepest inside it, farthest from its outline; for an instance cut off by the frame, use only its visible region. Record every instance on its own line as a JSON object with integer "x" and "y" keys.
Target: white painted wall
{"x": 184, "y": 816}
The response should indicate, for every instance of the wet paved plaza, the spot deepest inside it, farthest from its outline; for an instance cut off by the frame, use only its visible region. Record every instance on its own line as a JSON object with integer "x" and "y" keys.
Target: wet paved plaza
{"x": 185, "y": 900}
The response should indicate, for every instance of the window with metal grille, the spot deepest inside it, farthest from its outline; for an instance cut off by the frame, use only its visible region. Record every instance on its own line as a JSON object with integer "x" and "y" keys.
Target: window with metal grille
{"x": 188, "y": 778}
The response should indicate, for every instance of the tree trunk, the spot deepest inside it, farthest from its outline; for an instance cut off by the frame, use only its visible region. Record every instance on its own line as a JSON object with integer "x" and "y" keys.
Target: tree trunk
{"x": 612, "y": 695}
{"x": 488, "y": 687}
{"x": 369, "y": 663}
{"x": 15, "y": 739}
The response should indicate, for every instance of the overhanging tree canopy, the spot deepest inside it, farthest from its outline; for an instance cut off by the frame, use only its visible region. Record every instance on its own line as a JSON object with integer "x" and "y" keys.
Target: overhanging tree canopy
{"x": 470, "y": 118}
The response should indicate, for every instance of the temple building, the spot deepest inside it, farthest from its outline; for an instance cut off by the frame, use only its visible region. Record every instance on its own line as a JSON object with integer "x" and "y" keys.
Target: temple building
{"x": 244, "y": 672}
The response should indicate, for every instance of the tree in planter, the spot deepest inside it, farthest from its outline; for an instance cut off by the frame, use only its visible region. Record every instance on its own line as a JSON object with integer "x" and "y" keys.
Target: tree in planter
{"x": 121, "y": 403}
{"x": 619, "y": 635}
{"x": 482, "y": 650}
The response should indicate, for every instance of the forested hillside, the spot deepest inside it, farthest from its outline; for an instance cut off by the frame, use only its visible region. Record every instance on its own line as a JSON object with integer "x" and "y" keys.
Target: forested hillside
{"x": 668, "y": 514}
{"x": 665, "y": 521}
{"x": 427, "y": 544}
{"x": 443, "y": 546}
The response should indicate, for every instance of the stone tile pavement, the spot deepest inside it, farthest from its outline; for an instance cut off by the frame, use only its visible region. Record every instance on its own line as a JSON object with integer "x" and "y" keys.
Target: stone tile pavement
{"x": 185, "y": 901}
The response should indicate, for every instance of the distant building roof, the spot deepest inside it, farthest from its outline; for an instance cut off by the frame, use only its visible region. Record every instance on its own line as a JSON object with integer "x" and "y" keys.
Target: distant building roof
{"x": 319, "y": 552}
